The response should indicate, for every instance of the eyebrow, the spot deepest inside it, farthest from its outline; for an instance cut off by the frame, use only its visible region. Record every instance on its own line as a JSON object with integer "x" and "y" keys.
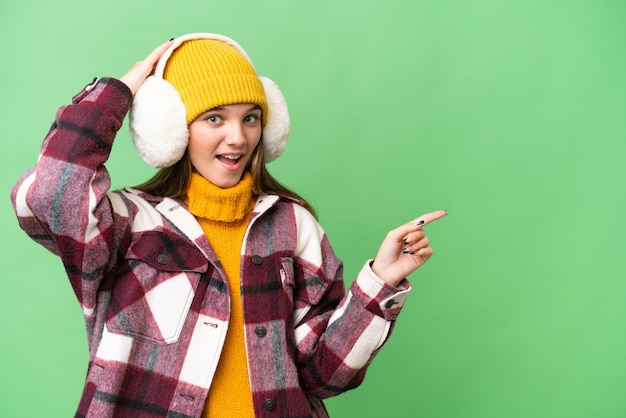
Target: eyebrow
{"x": 218, "y": 108}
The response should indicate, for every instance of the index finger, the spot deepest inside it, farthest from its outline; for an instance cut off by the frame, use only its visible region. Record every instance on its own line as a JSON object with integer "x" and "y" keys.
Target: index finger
{"x": 429, "y": 217}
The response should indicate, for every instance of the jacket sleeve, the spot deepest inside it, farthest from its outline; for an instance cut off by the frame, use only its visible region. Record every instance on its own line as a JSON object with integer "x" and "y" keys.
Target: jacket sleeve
{"x": 62, "y": 202}
{"x": 338, "y": 336}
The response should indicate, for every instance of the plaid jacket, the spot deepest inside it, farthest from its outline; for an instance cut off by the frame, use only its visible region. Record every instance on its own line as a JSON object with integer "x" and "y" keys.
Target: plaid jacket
{"x": 155, "y": 298}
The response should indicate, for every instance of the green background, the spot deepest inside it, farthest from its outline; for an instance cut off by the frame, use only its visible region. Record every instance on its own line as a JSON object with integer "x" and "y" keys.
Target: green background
{"x": 509, "y": 114}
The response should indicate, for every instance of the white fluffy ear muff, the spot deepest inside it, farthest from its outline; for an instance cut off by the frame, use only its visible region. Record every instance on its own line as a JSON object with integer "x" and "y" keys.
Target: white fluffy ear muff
{"x": 276, "y": 130}
{"x": 158, "y": 123}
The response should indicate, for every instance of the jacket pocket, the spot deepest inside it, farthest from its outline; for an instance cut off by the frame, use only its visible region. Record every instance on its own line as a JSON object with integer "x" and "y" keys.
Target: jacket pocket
{"x": 152, "y": 294}
{"x": 303, "y": 286}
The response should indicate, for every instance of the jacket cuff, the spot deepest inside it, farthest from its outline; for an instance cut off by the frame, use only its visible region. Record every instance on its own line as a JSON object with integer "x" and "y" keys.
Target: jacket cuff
{"x": 381, "y": 298}
{"x": 109, "y": 93}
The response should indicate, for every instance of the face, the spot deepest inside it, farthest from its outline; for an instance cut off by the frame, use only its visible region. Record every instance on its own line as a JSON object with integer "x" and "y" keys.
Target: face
{"x": 221, "y": 142}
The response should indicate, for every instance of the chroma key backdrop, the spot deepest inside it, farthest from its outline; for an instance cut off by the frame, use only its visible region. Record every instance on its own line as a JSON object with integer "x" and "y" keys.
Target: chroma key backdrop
{"x": 510, "y": 114}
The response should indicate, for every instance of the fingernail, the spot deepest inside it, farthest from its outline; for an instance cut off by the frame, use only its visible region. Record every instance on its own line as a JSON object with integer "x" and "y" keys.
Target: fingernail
{"x": 420, "y": 222}
{"x": 405, "y": 241}
{"x": 171, "y": 39}
{"x": 405, "y": 251}
{"x": 412, "y": 253}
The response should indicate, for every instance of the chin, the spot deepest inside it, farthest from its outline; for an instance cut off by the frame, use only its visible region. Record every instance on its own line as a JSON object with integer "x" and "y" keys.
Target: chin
{"x": 225, "y": 184}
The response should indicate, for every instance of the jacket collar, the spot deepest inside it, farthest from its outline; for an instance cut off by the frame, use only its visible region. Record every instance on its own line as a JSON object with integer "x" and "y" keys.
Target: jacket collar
{"x": 176, "y": 212}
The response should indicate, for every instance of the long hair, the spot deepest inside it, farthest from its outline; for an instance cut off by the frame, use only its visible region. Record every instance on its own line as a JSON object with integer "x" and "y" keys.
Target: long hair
{"x": 173, "y": 181}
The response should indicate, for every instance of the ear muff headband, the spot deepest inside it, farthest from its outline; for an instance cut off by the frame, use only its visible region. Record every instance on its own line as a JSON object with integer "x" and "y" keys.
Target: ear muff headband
{"x": 158, "y": 123}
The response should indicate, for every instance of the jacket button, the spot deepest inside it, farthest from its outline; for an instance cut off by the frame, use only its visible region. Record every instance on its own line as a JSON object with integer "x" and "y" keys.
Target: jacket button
{"x": 260, "y": 330}
{"x": 163, "y": 259}
{"x": 269, "y": 404}
{"x": 257, "y": 259}
{"x": 390, "y": 303}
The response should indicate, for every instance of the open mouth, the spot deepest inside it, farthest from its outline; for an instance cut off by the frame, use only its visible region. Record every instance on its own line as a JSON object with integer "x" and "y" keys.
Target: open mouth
{"x": 231, "y": 161}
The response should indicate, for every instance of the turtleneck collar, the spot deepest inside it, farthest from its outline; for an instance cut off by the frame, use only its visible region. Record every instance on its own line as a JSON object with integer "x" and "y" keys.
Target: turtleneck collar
{"x": 206, "y": 200}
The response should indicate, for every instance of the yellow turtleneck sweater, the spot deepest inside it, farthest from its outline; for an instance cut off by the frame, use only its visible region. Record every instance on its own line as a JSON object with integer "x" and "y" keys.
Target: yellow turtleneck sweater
{"x": 224, "y": 214}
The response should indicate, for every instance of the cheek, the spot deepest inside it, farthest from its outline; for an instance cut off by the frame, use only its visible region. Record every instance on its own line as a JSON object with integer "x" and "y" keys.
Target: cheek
{"x": 254, "y": 136}
{"x": 200, "y": 139}
{"x": 193, "y": 146}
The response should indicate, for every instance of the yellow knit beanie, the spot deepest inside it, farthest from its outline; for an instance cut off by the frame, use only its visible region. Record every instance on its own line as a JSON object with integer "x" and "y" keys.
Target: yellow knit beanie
{"x": 208, "y": 73}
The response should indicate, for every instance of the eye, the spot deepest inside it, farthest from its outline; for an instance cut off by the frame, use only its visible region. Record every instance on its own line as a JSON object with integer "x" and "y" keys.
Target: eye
{"x": 213, "y": 119}
{"x": 252, "y": 119}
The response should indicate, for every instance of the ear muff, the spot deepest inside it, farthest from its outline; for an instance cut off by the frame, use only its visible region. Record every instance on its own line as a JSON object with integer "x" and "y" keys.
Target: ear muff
{"x": 276, "y": 130}
{"x": 158, "y": 123}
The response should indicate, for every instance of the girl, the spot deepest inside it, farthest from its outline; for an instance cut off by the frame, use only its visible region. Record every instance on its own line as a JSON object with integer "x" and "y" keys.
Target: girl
{"x": 209, "y": 290}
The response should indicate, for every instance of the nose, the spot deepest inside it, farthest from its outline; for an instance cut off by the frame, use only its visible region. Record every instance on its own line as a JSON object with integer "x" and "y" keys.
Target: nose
{"x": 235, "y": 135}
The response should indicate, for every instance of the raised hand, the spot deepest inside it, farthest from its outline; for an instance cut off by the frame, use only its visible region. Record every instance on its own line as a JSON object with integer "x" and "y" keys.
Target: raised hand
{"x": 135, "y": 77}
{"x": 405, "y": 249}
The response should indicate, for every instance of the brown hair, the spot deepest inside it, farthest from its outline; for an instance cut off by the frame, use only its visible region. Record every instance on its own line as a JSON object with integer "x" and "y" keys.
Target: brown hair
{"x": 173, "y": 181}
